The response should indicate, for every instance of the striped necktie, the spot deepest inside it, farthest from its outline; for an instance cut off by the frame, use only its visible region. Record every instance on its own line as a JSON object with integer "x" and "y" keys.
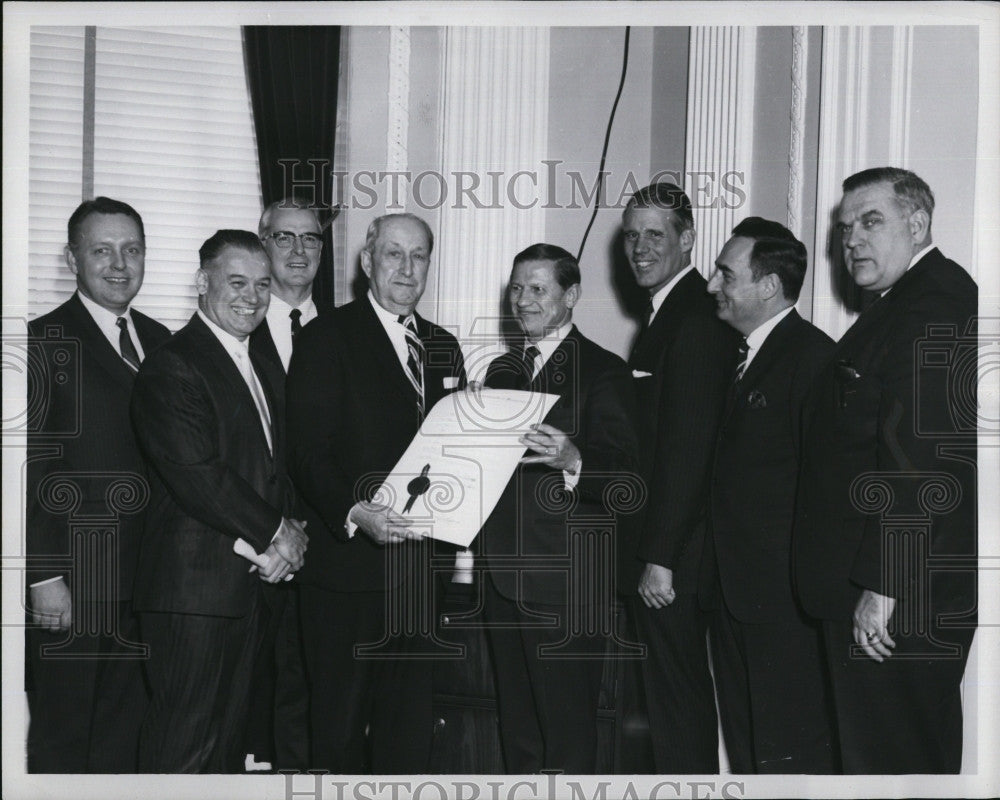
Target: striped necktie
{"x": 529, "y": 355}
{"x": 414, "y": 359}
{"x": 744, "y": 351}
{"x": 126, "y": 345}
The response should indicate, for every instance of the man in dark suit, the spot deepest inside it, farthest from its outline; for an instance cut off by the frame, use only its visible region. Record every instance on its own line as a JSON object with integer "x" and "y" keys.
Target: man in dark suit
{"x": 682, "y": 364}
{"x": 766, "y": 654}
{"x": 85, "y": 689}
{"x": 360, "y": 381}
{"x": 548, "y": 701}
{"x": 210, "y": 425}
{"x": 888, "y": 488}
{"x": 277, "y": 733}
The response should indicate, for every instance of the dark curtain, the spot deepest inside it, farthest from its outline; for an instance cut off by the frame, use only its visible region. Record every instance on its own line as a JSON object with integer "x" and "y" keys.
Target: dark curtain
{"x": 292, "y": 74}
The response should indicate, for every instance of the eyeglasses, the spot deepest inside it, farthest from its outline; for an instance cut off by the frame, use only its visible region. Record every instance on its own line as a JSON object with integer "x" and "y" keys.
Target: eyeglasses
{"x": 285, "y": 239}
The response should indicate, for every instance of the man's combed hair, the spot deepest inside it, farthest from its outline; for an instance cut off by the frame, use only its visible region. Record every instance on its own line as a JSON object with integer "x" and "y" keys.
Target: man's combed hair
{"x": 228, "y": 237}
{"x": 775, "y": 251}
{"x": 376, "y": 228}
{"x": 668, "y": 196}
{"x": 912, "y": 192}
{"x": 566, "y": 266}
{"x": 286, "y": 203}
{"x": 99, "y": 205}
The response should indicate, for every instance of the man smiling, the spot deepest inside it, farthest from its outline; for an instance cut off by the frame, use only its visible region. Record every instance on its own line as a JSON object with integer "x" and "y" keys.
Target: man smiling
{"x": 548, "y": 701}
{"x": 766, "y": 654}
{"x": 210, "y": 424}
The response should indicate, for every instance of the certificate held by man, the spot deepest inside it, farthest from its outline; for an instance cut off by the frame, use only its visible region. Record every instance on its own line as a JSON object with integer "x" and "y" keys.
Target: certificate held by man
{"x": 457, "y": 466}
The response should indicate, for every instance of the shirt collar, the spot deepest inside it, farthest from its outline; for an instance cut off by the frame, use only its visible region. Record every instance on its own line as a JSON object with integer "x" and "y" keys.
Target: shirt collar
{"x": 758, "y": 335}
{"x": 661, "y": 293}
{"x": 226, "y": 339}
{"x": 387, "y": 318}
{"x": 549, "y": 343}
{"x": 919, "y": 255}
{"x": 101, "y": 315}
{"x": 281, "y": 309}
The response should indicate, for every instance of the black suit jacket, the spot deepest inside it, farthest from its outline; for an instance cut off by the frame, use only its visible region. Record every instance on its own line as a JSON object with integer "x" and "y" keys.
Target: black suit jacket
{"x": 351, "y": 415}
{"x": 899, "y": 398}
{"x": 533, "y": 517}
{"x": 214, "y": 479}
{"x": 79, "y": 389}
{"x": 690, "y": 356}
{"x": 752, "y": 495}
{"x": 262, "y": 343}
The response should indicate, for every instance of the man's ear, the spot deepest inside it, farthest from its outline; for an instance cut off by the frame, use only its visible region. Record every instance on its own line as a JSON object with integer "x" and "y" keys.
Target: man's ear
{"x": 366, "y": 263}
{"x": 201, "y": 281}
{"x": 687, "y": 239}
{"x": 572, "y": 295}
{"x": 770, "y": 285}
{"x": 70, "y": 260}
{"x": 920, "y": 225}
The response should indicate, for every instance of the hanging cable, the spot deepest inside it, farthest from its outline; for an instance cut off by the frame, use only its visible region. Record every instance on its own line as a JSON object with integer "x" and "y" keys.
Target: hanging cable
{"x": 607, "y": 140}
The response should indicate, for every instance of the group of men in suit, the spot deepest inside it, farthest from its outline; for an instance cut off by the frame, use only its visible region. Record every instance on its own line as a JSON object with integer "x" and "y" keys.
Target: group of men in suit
{"x": 268, "y": 416}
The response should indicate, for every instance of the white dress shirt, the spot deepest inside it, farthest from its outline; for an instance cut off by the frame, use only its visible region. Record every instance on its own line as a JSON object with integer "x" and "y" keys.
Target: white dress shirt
{"x": 107, "y": 321}
{"x": 280, "y": 324}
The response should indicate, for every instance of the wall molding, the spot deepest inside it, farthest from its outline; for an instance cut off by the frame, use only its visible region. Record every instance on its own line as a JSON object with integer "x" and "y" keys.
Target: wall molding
{"x": 797, "y": 119}
{"x": 397, "y": 125}
{"x": 721, "y": 92}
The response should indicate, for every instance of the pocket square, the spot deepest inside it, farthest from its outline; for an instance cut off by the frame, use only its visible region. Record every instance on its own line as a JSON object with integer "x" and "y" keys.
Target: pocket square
{"x": 638, "y": 373}
{"x": 450, "y": 381}
{"x": 756, "y": 399}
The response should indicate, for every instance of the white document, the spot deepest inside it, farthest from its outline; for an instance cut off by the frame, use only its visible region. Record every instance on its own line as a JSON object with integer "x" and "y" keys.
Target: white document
{"x": 457, "y": 466}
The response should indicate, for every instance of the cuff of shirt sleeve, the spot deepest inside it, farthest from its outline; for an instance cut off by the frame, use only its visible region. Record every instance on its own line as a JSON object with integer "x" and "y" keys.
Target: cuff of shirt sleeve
{"x": 350, "y": 526}
{"x": 571, "y": 479}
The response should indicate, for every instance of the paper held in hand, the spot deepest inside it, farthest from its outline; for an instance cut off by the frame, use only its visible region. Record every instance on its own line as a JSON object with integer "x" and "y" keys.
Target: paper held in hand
{"x": 457, "y": 466}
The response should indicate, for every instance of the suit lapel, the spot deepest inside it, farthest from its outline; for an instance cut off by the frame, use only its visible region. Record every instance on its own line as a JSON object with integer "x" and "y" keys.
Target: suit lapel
{"x": 262, "y": 344}
{"x": 98, "y": 346}
{"x": 375, "y": 340}
{"x": 227, "y": 369}
{"x": 651, "y": 343}
{"x": 770, "y": 350}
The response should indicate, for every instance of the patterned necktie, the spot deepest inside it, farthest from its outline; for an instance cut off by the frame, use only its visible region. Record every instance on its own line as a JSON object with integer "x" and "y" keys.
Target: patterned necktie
{"x": 528, "y": 358}
{"x": 744, "y": 351}
{"x": 295, "y": 315}
{"x": 253, "y": 384}
{"x": 128, "y": 351}
{"x": 414, "y": 359}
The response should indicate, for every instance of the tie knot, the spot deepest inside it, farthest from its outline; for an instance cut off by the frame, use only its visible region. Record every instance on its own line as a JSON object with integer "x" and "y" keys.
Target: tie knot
{"x": 531, "y": 353}
{"x": 744, "y": 349}
{"x": 122, "y": 323}
{"x": 295, "y": 315}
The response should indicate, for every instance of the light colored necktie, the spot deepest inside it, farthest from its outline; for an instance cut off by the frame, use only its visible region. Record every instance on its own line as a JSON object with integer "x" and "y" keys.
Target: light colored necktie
{"x": 250, "y": 376}
{"x": 414, "y": 359}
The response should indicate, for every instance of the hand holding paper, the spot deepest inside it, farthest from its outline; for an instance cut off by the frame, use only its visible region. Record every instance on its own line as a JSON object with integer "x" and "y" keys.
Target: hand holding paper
{"x": 382, "y": 524}
{"x": 551, "y": 446}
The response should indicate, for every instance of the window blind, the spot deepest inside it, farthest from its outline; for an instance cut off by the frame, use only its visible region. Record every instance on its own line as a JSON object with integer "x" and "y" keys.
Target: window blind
{"x": 173, "y": 137}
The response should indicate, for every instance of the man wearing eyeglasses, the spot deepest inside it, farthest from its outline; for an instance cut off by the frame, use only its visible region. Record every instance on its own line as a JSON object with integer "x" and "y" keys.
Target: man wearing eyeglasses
{"x": 277, "y": 734}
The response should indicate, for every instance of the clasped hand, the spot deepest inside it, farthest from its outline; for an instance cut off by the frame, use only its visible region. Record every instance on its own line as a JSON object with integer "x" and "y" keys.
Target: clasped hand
{"x": 286, "y": 553}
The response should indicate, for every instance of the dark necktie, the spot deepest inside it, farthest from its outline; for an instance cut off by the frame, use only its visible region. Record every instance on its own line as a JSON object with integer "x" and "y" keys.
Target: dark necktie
{"x": 414, "y": 359}
{"x": 295, "y": 315}
{"x": 744, "y": 351}
{"x": 648, "y": 316}
{"x": 128, "y": 351}
{"x": 528, "y": 357}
